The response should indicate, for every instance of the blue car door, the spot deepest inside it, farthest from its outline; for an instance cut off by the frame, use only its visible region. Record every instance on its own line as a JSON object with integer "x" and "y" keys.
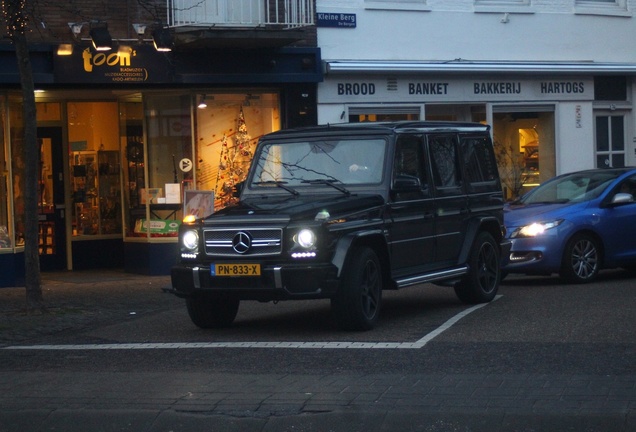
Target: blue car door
{"x": 619, "y": 225}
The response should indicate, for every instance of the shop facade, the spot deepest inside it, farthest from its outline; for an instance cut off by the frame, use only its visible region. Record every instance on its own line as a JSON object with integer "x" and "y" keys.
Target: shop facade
{"x": 132, "y": 140}
{"x": 545, "y": 121}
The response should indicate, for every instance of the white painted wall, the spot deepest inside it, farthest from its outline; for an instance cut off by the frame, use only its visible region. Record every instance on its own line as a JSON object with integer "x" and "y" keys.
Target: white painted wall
{"x": 574, "y": 145}
{"x": 448, "y": 30}
{"x": 452, "y": 29}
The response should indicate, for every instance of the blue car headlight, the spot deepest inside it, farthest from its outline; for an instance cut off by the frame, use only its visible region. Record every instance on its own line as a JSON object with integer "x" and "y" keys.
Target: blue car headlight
{"x": 535, "y": 229}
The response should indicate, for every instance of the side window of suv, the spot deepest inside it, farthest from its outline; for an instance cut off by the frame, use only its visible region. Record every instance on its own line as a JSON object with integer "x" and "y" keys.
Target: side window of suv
{"x": 445, "y": 164}
{"x": 409, "y": 165}
{"x": 480, "y": 167}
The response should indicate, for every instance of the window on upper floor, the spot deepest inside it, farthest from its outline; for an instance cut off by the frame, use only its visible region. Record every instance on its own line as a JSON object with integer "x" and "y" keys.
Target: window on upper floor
{"x": 501, "y": 2}
{"x": 602, "y": 7}
{"x": 417, "y": 5}
{"x": 517, "y": 6}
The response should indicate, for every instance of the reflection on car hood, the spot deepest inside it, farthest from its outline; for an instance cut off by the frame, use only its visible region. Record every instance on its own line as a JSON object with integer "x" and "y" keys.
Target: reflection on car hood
{"x": 516, "y": 215}
{"x": 300, "y": 207}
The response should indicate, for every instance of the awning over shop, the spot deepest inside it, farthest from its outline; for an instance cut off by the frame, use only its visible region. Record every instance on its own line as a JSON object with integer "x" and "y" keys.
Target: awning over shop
{"x": 470, "y": 66}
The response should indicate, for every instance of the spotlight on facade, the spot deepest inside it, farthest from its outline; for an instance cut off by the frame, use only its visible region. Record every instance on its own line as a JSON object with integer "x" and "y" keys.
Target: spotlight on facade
{"x": 202, "y": 102}
{"x": 102, "y": 41}
{"x": 162, "y": 39}
{"x": 65, "y": 49}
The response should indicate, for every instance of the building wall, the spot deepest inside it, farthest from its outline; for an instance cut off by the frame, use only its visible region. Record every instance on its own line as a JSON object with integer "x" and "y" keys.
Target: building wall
{"x": 51, "y": 20}
{"x": 464, "y": 31}
{"x": 449, "y": 30}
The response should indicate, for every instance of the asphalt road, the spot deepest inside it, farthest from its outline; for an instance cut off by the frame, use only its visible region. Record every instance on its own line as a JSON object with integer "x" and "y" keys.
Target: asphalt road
{"x": 543, "y": 357}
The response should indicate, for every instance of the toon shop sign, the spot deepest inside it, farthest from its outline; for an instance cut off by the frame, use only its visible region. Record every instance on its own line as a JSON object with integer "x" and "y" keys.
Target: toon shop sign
{"x": 142, "y": 64}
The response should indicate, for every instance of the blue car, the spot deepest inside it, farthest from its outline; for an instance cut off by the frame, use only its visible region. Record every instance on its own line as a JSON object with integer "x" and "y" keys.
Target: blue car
{"x": 574, "y": 225}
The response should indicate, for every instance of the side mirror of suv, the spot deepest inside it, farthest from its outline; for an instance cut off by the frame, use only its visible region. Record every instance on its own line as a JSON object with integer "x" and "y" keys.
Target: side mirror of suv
{"x": 406, "y": 183}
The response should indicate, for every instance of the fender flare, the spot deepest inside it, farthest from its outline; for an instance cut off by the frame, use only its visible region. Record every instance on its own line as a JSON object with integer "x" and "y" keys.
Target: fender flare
{"x": 474, "y": 226}
{"x": 345, "y": 243}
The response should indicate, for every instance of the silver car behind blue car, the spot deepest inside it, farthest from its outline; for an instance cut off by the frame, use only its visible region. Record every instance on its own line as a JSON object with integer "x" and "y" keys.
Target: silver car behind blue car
{"x": 575, "y": 225}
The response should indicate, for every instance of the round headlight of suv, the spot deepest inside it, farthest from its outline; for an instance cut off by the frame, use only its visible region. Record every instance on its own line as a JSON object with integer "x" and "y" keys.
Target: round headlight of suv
{"x": 190, "y": 240}
{"x": 306, "y": 238}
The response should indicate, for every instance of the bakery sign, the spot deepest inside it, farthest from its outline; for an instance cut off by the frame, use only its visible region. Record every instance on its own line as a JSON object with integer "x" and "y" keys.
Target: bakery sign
{"x": 142, "y": 64}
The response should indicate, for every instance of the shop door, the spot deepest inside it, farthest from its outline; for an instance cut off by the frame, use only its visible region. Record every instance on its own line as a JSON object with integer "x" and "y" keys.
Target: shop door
{"x": 610, "y": 140}
{"x": 51, "y": 200}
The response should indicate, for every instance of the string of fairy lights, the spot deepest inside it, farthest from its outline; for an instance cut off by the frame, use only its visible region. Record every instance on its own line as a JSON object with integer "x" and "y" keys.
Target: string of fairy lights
{"x": 15, "y": 17}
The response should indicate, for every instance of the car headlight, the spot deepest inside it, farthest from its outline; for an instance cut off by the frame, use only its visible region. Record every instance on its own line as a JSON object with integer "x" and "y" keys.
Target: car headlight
{"x": 535, "y": 229}
{"x": 190, "y": 240}
{"x": 305, "y": 238}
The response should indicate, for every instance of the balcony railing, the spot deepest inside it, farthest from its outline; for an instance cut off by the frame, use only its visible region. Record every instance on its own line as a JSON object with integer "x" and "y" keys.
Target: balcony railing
{"x": 240, "y": 13}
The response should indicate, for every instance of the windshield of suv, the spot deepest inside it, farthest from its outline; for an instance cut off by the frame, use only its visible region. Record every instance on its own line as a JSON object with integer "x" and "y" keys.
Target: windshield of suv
{"x": 575, "y": 187}
{"x": 320, "y": 162}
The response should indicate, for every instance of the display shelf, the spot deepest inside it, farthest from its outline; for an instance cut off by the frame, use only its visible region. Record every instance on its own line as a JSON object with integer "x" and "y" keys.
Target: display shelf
{"x": 96, "y": 192}
{"x": 46, "y": 238}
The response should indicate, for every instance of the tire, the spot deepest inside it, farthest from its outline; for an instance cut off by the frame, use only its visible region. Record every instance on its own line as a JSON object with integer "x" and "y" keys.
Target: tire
{"x": 581, "y": 259}
{"x": 356, "y": 306}
{"x": 212, "y": 312}
{"x": 481, "y": 283}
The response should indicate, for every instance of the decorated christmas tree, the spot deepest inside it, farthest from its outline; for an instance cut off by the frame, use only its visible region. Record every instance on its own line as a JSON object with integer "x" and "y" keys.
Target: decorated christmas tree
{"x": 233, "y": 165}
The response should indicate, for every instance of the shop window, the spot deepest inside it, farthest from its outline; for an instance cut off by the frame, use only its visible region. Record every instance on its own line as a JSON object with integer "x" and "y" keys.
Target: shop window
{"x": 16, "y": 139}
{"x": 373, "y": 114}
{"x": 524, "y": 146}
{"x": 6, "y": 242}
{"x": 227, "y": 130}
{"x": 48, "y": 111}
{"x": 95, "y": 165}
{"x": 158, "y": 172}
{"x": 456, "y": 112}
{"x": 610, "y": 141}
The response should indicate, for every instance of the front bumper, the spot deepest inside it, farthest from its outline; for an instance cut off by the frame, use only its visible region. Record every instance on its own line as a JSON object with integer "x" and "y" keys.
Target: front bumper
{"x": 276, "y": 282}
{"x": 540, "y": 255}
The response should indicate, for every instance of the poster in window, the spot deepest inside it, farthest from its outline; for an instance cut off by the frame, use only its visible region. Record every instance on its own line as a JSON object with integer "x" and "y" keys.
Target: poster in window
{"x": 199, "y": 203}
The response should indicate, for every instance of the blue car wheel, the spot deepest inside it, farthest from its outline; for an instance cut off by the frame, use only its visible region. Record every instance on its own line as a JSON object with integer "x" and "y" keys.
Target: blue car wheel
{"x": 581, "y": 259}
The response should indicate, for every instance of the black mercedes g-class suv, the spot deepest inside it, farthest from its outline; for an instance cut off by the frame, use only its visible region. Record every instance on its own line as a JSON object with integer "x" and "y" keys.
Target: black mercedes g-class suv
{"x": 346, "y": 211}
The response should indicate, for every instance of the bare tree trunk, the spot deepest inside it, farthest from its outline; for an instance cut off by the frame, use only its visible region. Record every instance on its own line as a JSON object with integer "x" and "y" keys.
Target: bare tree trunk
{"x": 31, "y": 157}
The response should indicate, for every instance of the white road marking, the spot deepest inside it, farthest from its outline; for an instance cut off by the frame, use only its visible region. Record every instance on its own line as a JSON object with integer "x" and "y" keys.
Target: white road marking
{"x": 278, "y": 345}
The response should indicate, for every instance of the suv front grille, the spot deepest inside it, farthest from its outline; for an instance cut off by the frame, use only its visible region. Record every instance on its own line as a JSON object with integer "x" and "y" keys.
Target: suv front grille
{"x": 247, "y": 242}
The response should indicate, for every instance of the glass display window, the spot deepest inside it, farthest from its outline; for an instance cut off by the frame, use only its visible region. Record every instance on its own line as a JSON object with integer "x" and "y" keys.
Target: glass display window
{"x": 94, "y": 159}
{"x": 6, "y": 242}
{"x": 228, "y": 126}
{"x": 159, "y": 169}
{"x": 16, "y": 139}
{"x": 525, "y": 147}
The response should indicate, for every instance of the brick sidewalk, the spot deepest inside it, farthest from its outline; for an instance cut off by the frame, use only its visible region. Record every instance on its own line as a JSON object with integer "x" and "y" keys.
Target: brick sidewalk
{"x": 81, "y": 299}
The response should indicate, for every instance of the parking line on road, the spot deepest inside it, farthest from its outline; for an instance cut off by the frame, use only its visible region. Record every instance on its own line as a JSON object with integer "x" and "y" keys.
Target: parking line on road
{"x": 278, "y": 345}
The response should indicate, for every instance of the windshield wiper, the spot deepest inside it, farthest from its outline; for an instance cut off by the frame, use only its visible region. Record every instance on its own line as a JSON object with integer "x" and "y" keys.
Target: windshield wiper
{"x": 280, "y": 184}
{"x": 328, "y": 182}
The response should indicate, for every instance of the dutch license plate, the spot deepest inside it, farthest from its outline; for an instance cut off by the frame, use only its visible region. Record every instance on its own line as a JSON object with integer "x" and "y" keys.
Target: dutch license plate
{"x": 236, "y": 270}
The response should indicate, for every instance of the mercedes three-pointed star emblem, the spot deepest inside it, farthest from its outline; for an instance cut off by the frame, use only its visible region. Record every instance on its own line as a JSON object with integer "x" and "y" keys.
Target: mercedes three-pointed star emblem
{"x": 241, "y": 242}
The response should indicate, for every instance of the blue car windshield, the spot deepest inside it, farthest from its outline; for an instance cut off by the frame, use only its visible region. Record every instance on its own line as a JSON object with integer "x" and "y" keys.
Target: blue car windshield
{"x": 576, "y": 187}
{"x": 344, "y": 161}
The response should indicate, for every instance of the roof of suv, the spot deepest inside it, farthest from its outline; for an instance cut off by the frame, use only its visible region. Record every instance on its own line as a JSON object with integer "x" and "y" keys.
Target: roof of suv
{"x": 381, "y": 127}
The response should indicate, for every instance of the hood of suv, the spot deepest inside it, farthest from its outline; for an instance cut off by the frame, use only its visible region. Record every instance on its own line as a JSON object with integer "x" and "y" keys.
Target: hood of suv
{"x": 301, "y": 207}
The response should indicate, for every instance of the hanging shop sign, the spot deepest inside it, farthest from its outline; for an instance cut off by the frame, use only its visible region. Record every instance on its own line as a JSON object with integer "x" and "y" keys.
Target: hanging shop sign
{"x": 431, "y": 89}
{"x": 138, "y": 65}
